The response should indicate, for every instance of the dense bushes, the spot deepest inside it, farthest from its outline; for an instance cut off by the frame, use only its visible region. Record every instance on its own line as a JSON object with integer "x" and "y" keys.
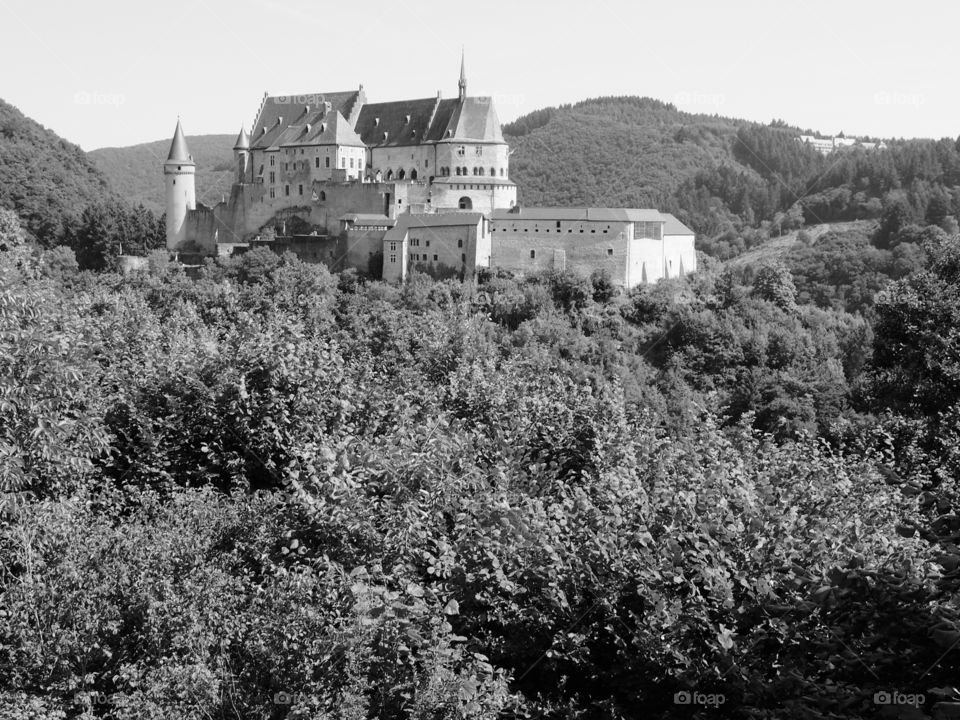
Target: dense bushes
{"x": 271, "y": 492}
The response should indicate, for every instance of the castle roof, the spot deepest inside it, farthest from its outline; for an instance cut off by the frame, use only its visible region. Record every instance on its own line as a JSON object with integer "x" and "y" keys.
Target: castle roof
{"x": 428, "y": 120}
{"x": 280, "y": 111}
{"x": 320, "y": 127}
{"x": 179, "y": 153}
{"x": 588, "y": 214}
{"x": 243, "y": 140}
{"x": 674, "y": 226}
{"x": 410, "y": 221}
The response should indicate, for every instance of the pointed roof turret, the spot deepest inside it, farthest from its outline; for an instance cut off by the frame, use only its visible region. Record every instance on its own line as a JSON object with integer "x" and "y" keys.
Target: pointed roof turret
{"x": 178, "y": 148}
{"x": 463, "y": 76}
{"x": 243, "y": 140}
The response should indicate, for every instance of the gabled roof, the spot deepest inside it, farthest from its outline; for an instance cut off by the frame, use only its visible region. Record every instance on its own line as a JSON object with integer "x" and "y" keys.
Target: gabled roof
{"x": 409, "y": 221}
{"x": 322, "y": 128}
{"x": 179, "y": 153}
{"x": 293, "y": 108}
{"x": 405, "y": 122}
{"x": 674, "y": 226}
{"x": 412, "y": 122}
{"x": 586, "y": 214}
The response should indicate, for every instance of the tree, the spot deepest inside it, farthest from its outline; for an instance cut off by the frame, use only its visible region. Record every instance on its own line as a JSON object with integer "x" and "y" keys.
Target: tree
{"x": 774, "y": 283}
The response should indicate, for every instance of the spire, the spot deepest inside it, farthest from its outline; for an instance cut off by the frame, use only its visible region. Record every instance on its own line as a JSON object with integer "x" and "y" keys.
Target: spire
{"x": 243, "y": 140}
{"x": 463, "y": 76}
{"x": 178, "y": 148}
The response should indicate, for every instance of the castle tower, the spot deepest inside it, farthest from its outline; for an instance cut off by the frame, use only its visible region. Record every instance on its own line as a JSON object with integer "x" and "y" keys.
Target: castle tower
{"x": 241, "y": 150}
{"x": 463, "y": 78}
{"x": 178, "y": 174}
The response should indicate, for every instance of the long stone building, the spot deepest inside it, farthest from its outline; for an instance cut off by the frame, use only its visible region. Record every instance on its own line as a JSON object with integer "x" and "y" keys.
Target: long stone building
{"x": 392, "y": 187}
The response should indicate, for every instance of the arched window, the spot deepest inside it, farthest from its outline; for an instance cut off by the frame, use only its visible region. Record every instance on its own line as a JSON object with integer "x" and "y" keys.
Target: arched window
{"x": 401, "y": 174}
{"x": 465, "y": 203}
{"x": 323, "y": 195}
{"x": 458, "y": 171}
{"x": 493, "y": 171}
{"x": 480, "y": 171}
{"x": 390, "y": 174}
{"x": 413, "y": 174}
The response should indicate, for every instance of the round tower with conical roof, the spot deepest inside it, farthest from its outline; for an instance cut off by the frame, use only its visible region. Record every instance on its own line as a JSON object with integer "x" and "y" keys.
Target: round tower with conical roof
{"x": 178, "y": 174}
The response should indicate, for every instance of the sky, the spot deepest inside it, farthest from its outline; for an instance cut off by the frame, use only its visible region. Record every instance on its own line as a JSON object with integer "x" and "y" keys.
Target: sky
{"x": 109, "y": 73}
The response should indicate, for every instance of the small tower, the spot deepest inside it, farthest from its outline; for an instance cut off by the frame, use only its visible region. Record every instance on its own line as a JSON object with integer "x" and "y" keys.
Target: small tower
{"x": 241, "y": 149}
{"x": 463, "y": 78}
{"x": 178, "y": 174}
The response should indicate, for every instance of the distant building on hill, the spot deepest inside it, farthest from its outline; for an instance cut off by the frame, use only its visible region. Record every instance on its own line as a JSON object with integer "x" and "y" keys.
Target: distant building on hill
{"x": 831, "y": 144}
{"x": 399, "y": 186}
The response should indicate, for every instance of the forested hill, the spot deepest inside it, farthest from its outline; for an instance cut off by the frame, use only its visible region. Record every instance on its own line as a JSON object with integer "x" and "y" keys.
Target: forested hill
{"x": 735, "y": 182}
{"x": 44, "y": 178}
{"x": 615, "y": 151}
{"x": 137, "y": 171}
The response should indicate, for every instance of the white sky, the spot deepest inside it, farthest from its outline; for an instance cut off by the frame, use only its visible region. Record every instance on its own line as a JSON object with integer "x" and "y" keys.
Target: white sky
{"x": 111, "y": 73}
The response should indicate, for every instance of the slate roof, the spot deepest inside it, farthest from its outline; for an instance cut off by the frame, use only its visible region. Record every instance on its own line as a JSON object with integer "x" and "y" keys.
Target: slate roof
{"x": 292, "y": 108}
{"x": 409, "y": 221}
{"x": 243, "y": 140}
{"x": 179, "y": 152}
{"x": 412, "y": 122}
{"x": 405, "y": 122}
{"x": 674, "y": 226}
{"x": 587, "y": 214}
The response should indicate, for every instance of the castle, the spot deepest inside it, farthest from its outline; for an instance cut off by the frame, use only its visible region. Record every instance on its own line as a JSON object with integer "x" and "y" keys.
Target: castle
{"x": 413, "y": 184}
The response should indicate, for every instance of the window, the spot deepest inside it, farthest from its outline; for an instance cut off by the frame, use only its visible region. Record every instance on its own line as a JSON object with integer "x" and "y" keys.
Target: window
{"x": 463, "y": 257}
{"x": 414, "y": 242}
{"x": 343, "y": 162}
{"x": 428, "y": 243}
{"x": 479, "y": 149}
{"x": 465, "y": 203}
{"x": 327, "y": 161}
{"x": 501, "y": 172}
{"x": 533, "y": 254}
{"x": 273, "y": 176}
{"x": 286, "y": 166}
{"x": 426, "y": 163}
{"x": 458, "y": 171}
{"x": 609, "y": 251}
{"x": 286, "y": 190}
{"x": 323, "y": 195}
{"x": 272, "y": 158}
{"x": 300, "y": 189}
{"x": 434, "y": 258}
{"x": 461, "y": 151}
{"x": 273, "y": 193}
{"x": 316, "y": 162}
{"x": 558, "y": 224}
{"x": 351, "y": 163}
{"x": 493, "y": 172}
{"x": 393, "y": 258}
{"x": 460, "y": 242}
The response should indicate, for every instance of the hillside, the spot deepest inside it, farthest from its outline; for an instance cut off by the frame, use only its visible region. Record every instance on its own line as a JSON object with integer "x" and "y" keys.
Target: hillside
{"x": 137, "y": 172}
{"x": 45, "y": 179}
{"x": 633, "y": 152}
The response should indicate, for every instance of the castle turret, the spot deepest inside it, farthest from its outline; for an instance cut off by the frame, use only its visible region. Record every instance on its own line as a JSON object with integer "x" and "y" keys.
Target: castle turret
{"x": 241, "y": 150}
{"x": 463, "y": 78}
{"x": 178, "y": 174}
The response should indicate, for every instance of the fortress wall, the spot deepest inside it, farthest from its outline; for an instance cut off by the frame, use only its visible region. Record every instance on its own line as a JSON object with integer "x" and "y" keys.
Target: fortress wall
{"x": 576, "y": 253}
{"x": 200, "y": 230}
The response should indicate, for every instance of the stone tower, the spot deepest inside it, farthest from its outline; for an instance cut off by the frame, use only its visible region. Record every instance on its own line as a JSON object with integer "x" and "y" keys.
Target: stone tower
{"x": 241, "y": 150}
{"x": 178, "y": 174}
